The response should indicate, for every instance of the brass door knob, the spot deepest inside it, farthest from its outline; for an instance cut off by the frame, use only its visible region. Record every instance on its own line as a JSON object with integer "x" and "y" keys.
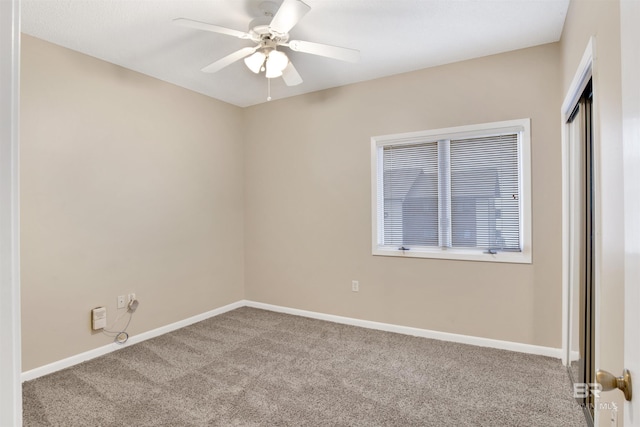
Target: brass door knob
{"x": 609, "y": 382}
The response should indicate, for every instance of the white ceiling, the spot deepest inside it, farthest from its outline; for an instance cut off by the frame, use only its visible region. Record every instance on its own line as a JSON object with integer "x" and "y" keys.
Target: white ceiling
{"x": 393, "y": 36}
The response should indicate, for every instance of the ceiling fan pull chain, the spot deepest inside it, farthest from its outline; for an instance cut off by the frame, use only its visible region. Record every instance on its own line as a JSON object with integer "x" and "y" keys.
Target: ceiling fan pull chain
{"x": 268, "y": 89}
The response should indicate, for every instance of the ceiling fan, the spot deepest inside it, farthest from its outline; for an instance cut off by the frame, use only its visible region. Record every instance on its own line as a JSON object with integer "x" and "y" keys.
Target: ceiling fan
{"x": 270, "y": 32}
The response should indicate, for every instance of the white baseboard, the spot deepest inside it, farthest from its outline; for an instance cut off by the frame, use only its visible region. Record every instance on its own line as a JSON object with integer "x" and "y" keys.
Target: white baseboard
{"x": 100, "y": 351}
{"x": 406, "y": 330}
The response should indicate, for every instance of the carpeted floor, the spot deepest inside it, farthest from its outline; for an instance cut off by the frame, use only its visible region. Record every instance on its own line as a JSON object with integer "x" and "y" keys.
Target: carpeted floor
{"x": 251, "y": 367}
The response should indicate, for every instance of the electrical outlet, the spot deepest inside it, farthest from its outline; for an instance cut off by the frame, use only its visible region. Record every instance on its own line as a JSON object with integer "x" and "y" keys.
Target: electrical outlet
{"x": 355, "y": 286}
{"x": 132, "y": 296}
{"x": 122, "y": 303}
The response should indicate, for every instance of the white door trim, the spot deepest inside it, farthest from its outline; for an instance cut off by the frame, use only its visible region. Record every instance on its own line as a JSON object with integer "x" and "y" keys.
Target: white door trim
{"x": 630, "y": 66}
{"x": 578, "y": 84}
{"x": 10, "y": 356}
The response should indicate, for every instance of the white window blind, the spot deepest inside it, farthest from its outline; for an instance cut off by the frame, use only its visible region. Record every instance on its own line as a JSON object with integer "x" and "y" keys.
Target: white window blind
{"x": 452, "y": 192}
{"x": 411, "y": 195}
{"x": 485, "y": 196}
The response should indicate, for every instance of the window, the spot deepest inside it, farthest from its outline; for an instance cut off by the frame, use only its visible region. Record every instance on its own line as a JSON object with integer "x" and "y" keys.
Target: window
{"x": 457, "y": 193}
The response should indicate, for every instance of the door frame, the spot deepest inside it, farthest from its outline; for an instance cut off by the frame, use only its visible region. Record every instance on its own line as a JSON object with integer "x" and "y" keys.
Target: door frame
{"x": 580, "y": 80}
{"x": 10, "y": 361}
{"x": 630, "y": 67}
{"x": 586, "y": 71}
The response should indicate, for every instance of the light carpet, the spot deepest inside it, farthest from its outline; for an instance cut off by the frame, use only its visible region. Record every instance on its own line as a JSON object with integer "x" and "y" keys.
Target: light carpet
{"x": 251, "y": 367}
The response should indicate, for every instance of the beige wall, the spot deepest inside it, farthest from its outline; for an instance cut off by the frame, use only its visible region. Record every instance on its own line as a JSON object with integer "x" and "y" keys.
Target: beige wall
{"x": 308, "y": 203}
{"x": 128, "y": 184}
{"x": 601, "y": 19}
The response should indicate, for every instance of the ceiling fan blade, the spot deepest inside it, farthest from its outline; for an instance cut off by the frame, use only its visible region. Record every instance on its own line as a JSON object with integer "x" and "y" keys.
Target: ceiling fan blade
{"x": 290, "y": 75}
{"x": 229, "y": 59}
{"x": 342, "y": 53}
{"x": 210, "y": 27}
{"x": 290, "y": 12}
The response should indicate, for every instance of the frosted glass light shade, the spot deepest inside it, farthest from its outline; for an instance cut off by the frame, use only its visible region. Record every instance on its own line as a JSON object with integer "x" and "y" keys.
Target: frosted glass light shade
{"x": 272, "y": 72}
{"x": 277, "y": 60}
{"x": 255, "y": 61}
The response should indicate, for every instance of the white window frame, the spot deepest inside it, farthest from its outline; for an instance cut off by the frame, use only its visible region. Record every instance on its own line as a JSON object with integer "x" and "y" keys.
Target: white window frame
{"x": 520, "y": 126}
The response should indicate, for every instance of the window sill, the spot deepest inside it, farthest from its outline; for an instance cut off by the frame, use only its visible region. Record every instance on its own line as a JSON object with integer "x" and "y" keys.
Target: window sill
{"x": 523, "y": 257}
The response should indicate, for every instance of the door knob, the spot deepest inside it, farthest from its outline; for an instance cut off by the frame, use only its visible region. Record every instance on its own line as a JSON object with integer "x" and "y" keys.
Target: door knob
{"x": 609, "y": 382}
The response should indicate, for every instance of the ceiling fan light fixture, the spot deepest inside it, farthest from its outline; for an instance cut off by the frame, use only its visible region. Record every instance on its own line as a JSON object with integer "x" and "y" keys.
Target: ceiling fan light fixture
{"x": 255, "y": 61}
{"x": 277, "y": 60}
{"x": 272, "y": 72}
